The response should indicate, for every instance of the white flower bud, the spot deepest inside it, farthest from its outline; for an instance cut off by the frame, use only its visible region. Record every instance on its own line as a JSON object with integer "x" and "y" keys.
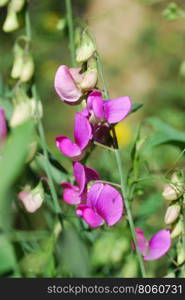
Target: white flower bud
{"x": 17, "y": 5}
{"x": 11, "y": 21}
{"x": 180, "y": 254}
{"x": 172, "y": 213}
{"x": 89, "y": 81}
{"x": 32, "y": 199}
{"x": 28, "y": 69}
{"x": 86, "y": 48}
{"x": 177, "y": 229}
{"x": 18, "y": 62}
{"x": 172, "y": 192}
{"x": 25, "y": 110}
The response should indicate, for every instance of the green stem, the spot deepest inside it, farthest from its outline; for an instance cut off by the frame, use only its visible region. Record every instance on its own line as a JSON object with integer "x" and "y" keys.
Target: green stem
{"x": 42, "y": 135}
{"x": 122, "y": 177}
{"x": 71, "y": 31}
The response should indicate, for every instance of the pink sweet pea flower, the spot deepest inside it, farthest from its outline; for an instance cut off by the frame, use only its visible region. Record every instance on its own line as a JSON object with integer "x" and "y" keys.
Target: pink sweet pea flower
{"x": 82, "y": 136}
{"x": 104, "y": 204}
{"x": 66, "y": 80}
{"x": 156, "y": 247}
{"x": 110, "y": 111}
{"x": 75, "y": 194}
{"x": 3, "y": 128}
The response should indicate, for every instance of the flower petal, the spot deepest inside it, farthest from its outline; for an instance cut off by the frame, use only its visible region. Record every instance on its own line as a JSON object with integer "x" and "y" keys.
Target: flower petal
{"x": 65, "y": 85}
{"x": 71, "y": 193}
{"x": 141, "y": 241}
{"x": 93, "y": 194}
{"x": 83, "y": 175}
{"x": 95, "y": 95}
{"x": 90, "y": 217}
{"x": 109, "y": 205}
{"x": 67, "y": 147}
{"x": 3, "y": 128}
{"x": 82, "y": 131}
{"x": 80, "y": 177}
{"x": 117, "y": 109}
{"x": 159, "y": 245}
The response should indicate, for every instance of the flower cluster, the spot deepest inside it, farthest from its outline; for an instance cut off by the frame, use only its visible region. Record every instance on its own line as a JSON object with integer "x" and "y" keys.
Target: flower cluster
{"x": 96, "y": 202}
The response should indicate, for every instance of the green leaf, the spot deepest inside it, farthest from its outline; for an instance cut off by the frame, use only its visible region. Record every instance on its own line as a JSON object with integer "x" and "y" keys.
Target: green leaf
{"x": 7, "y": 259}
{"x": 136, "y": 107}
{"x": 74, "y": 254}
{"x": 41, "y": 261}
{"x": 11, "y": 164}
{"x": 164, "y": 134}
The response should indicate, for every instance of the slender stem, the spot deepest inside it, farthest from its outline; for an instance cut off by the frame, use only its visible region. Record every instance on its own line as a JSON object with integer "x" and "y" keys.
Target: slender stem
{"x": 71, "y": 31}
{"x": 42, "y": 135}
{"x": 122, "y": 177}
{"x": 48, "y": 170}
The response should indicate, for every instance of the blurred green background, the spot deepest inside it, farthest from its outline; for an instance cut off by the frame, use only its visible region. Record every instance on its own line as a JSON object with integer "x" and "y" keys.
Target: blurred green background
{"x": 142, "y": 54}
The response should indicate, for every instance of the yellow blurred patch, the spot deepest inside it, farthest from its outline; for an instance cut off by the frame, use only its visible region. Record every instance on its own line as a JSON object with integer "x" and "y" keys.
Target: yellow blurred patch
{"x": 50, "y": 21}
{"x": 124, "y": 133}
{"x": 48, "y": 68}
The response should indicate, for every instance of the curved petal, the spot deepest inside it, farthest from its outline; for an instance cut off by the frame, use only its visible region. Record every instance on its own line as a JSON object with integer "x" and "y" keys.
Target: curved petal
{"x": 65, "y": 85}
{"x": 71, "y": 193}
{"x": 159, "y": 245}
{"x": 67, "y": 147}
{"x": 98, "y": 108}
{"x": 117, "y": 109}
{"x": 82, "y": 131}
{"x": 91, "y": 217}
{"x": 93, "y": 194}
{"x": 80, "y": 177}
{"x": 109, "y": 205}
{"x": 95, "y": 95}
{"x": 3, "y": 128}
{"x": 141, "y": 241}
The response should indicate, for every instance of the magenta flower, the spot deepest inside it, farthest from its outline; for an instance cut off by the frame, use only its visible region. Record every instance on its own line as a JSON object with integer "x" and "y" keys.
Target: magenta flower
{"x": 104, "y": 204}
{"x": 82, "y": 136}
{"x": 76, "y": 194}
{"x": 110, "y": 111}
{"x": 3, "y": 128}
{"x": 156, "y": 247}
{"x": 66, "y": 80}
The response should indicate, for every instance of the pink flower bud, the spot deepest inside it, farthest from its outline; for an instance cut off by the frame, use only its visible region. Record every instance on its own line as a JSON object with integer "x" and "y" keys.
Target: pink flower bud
{"x": 32, "y": 199}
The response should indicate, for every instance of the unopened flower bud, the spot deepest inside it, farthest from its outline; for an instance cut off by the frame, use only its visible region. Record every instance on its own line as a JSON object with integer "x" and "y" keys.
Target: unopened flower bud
{"x": 17, "y": 5}
{"x": 89, "y": 81}
{"x": 18, "y": 62}
{"x": 172, "y": 213}
{"x": 3, "y": 2}
{"x": 180, "y": 254}
{"x": 28, "y": 69}
{"x": 172, "y": 192}
{"x": 11, "y": 21}
{"x": 25, "y": 110}
{"x": 32, "y": 199}
{"x": 177, "y": 229}
{"x": 86, "y": 48}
